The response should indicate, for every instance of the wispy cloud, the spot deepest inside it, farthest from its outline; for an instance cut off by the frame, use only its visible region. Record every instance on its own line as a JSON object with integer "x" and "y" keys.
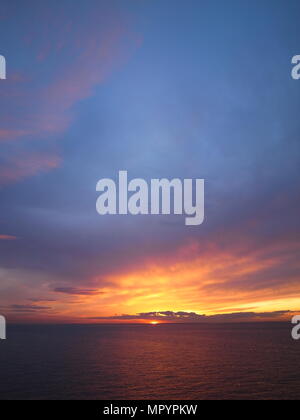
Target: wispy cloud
{"x": 78, "y": 55}
{"x": 64, "y": 65}
{"x": 39, "y": 300}
{"x": 16, "y": 308}
{"x": 77, "y": 291}
{"x": 7, "y": 238}
{"x": 24, "y": 165}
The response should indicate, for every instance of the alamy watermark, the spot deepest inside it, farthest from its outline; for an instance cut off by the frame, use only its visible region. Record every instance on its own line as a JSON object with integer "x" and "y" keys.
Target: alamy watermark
{"x": 2, "y": 328}
{"x": 2, "y": 68}
{"x": 296, "y": 329}
{"x": 296, "y": 68}
{"x": 162, "y": 196}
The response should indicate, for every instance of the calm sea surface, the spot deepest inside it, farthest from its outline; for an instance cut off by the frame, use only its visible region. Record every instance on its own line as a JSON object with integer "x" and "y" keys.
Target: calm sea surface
{"x": 150, "y": 362}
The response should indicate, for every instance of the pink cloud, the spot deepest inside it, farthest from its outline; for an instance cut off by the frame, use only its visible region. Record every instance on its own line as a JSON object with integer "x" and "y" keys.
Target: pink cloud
{"x": 68, "y": 60}
{"x": 11, "y": 134}
{"x": 7, "y": 238}
{"x": 65, "y": 62}
{"x": 27, "y": 165}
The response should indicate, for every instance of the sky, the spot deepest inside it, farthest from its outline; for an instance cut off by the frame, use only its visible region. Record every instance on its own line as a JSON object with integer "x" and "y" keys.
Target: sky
{"x": 181, "y": 89}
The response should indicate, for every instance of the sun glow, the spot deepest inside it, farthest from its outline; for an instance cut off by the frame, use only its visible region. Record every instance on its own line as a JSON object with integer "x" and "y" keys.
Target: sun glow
{"x": 154, "y": 322}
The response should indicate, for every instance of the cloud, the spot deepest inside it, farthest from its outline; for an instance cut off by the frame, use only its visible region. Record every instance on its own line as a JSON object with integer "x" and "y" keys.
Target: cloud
{"x": 65, "y": 62}
{"x": 11, "y": 134}
{"x": 24, "y": 165}
{"x": 7, "y": 238}
{"x": 181, "y": 316}
{"x": 77, "y": 291}
{"x": 38, "y": 300}
{"x": 16, "y": 308}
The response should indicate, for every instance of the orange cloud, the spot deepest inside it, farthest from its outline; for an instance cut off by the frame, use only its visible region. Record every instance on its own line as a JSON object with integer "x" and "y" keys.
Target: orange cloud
{"x": 239, "y": 282}
{"x": 213, "y": 285}
{"x": 214, "y": 282}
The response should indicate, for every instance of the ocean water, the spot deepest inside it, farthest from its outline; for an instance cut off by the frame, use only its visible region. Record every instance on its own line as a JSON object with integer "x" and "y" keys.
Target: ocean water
{"x": 186, "y": 361}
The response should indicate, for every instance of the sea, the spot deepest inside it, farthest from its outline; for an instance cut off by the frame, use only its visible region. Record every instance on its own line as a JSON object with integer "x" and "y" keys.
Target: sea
{"x": 150, "y": 362}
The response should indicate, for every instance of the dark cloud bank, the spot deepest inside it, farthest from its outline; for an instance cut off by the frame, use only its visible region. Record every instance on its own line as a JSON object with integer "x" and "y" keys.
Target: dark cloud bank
{"x": 171, "y": 316}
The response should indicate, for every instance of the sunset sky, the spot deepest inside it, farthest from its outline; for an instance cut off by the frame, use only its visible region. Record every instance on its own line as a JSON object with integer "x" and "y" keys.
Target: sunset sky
{"x": 174, "y": 89}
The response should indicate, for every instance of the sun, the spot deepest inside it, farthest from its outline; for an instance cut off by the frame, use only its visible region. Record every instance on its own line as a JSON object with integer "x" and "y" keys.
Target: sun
{"x": 154, "y": 322}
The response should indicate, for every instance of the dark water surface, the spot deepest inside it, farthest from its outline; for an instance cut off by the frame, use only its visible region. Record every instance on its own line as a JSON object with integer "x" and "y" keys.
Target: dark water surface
{"x": 150, "y": 362}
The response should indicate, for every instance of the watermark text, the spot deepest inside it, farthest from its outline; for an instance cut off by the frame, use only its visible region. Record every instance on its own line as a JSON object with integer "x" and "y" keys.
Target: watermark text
{"x": 296, "y": 329}
{"x": 2, "y": 68}
{"x": 296, "y": 68}
{"x": 162, "y": 196}
{"x": 2, "y": 328}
